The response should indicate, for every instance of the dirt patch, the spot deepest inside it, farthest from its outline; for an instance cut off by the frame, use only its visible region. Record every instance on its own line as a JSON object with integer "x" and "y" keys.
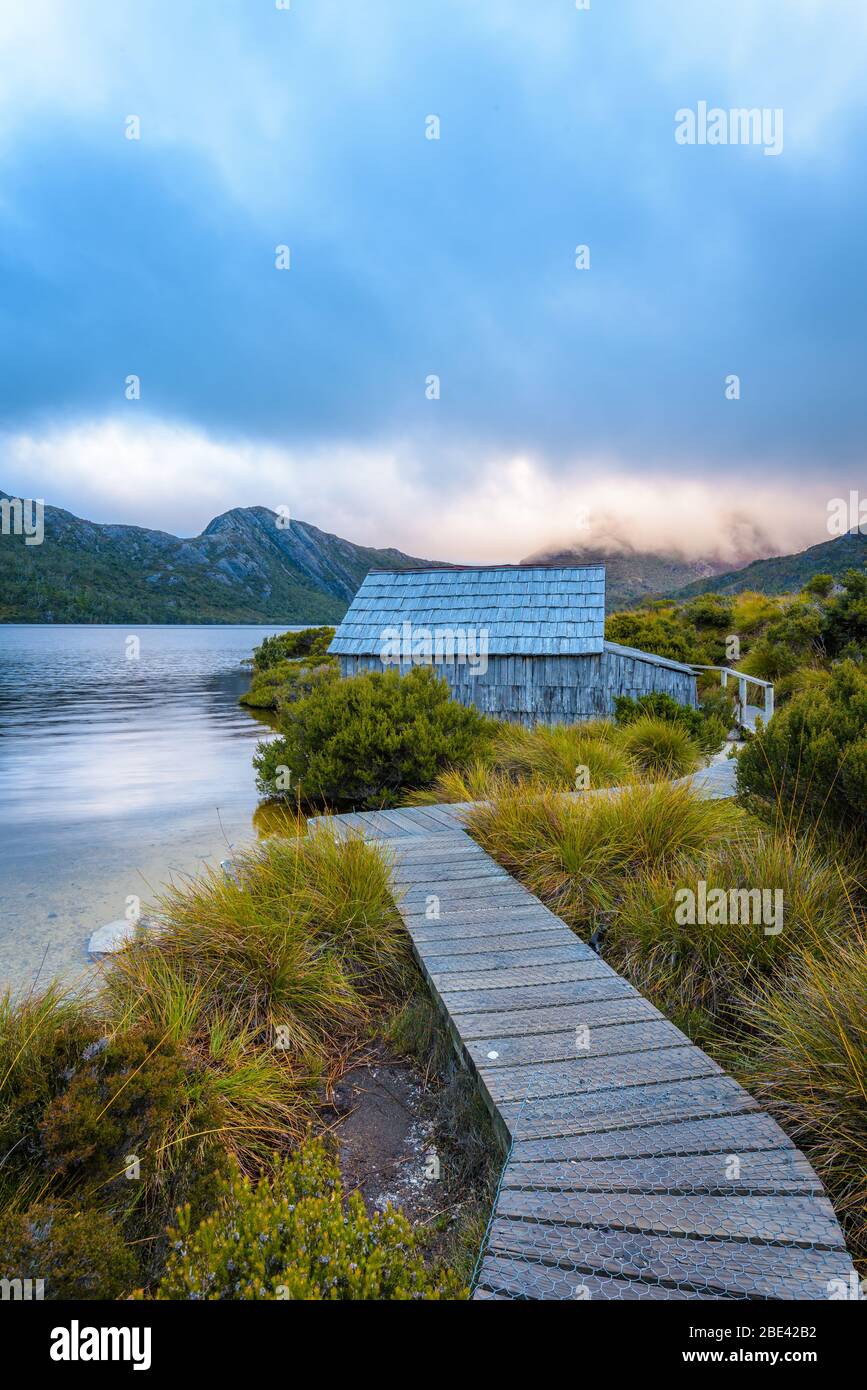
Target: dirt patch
{"x": 386, "y": 1137}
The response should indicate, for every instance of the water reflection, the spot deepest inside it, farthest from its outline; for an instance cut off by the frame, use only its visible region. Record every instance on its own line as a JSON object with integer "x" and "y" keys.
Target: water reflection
{"x": 116, "y": 775}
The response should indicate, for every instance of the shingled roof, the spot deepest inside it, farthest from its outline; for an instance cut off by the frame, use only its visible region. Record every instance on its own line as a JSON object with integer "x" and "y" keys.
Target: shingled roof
{"x": 527, "y": 610}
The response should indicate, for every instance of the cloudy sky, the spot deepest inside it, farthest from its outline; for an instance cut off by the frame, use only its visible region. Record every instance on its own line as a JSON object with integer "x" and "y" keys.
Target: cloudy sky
{"x": 574, "y": 405}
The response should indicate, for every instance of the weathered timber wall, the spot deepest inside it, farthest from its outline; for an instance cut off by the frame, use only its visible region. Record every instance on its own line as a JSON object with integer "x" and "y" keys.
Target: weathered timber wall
{"x": 550, "y": 689}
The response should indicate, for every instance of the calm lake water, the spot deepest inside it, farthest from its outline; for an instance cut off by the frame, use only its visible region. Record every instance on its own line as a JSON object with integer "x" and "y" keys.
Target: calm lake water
{"x": 115, "y": 776}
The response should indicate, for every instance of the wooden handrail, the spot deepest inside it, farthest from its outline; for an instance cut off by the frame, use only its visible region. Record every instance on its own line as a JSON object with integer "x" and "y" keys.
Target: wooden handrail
{"x": 743, "y": 681}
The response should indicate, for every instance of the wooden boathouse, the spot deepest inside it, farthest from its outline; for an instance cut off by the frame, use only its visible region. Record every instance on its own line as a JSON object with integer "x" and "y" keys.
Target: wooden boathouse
{"x": 520, "y": 642}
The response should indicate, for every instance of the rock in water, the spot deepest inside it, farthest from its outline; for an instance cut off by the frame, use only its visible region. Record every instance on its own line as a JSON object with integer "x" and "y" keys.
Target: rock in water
{"x": 105, "y": 941}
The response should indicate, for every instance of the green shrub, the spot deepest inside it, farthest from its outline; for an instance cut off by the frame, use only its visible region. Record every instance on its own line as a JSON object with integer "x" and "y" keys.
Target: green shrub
{"x": 845, "y": 625}
{"x": 716, "y": 702}
{"x": 79, "y": 1254}
{"x": 365, "y": 740}
{"x": 289, "y": 680}
{"x": 810, "y": 763}
{"x": 659, "y": 747}
{"x": 706, "y": 726}
{"x": 710, "y": 610}
{"x": 661, "y": 632}
{"x": 753, "y": 611}
{"x": 120, "y": 1097}
{"x": 820, "y": 586}
{"x": 294, "y": 1237}
{"x": 285, "y": 646}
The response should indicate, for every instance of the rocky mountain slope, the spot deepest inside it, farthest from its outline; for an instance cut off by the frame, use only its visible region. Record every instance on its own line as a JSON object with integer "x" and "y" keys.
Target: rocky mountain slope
{"x": 251, "y": 566}
{"x": 247, "y": 566}
{"x": 632, "y": 576}
{"x": 786, "y": 574}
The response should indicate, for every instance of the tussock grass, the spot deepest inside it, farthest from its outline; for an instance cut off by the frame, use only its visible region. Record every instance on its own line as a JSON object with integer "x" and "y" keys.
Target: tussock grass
{"x": 476, "y": 781}
{"x": 302, "y": 939}
{"x": 806, "y": 1059}
{"x": 578, "y": 854}
{"x": 547, "y": 756}
{"x": 550, "y": 754}
{"x": 694, "y": 971}
{"x": 658, "y": 747}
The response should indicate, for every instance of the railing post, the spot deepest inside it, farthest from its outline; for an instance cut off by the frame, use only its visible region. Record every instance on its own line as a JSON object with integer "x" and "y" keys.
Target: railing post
{"x": 723, "y": 677}
{"x": 742, "y": 696}
{"x": 769, "y": 703}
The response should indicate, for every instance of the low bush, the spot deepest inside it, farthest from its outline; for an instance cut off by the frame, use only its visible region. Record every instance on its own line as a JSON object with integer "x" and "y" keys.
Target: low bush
{"x": 293, "y": 1235}
{"x": 311, "y": 642}
{"x": 366, "y": 740}
{"x": 809, "y": 765}
{"x": 78, "y": 1254}
{"x": 706, "y": 726}
{"x": 288, "y": 681}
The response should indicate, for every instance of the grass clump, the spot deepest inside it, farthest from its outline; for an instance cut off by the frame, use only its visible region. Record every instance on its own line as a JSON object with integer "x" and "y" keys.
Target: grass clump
{"x": 806, "y": 1059}
{"x": 578, "y": 854}
{"x": 659, "y": 747}
{"x": 695, "y": 970}
{"x": 554, "y": 755}
{"x": 559, "y": 757}
{"x": 302, "y": 938}
{"x": 706, "y": 726}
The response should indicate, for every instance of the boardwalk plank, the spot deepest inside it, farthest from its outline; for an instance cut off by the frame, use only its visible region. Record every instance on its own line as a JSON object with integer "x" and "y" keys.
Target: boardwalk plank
{"x": 599, "y": 1005}
{"x": 765, "y": 1171}
{"x": 526, "y": 958}
{"x": 601, "y": 1040}
{"x": 523, "y": 1279}
{"x": 603, "y": 1111}
{"x": 596, "y": 1073}
{"x": 728, "y": 1268}
{"x": 735, "y": 1134}
{"x": 501, "y": 977}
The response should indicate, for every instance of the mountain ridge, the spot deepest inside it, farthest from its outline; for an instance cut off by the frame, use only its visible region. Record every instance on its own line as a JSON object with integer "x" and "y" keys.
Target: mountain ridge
{"x": 248, "y": 565}
{"x": 786, "y": 574}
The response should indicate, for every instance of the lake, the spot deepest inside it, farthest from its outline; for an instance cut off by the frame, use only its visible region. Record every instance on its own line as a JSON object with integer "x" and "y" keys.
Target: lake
{"x": 117, "y": 774}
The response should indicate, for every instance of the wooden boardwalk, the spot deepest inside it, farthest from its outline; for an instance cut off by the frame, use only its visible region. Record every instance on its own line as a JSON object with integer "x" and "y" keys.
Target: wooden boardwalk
{"x": 636, "y": 1168}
